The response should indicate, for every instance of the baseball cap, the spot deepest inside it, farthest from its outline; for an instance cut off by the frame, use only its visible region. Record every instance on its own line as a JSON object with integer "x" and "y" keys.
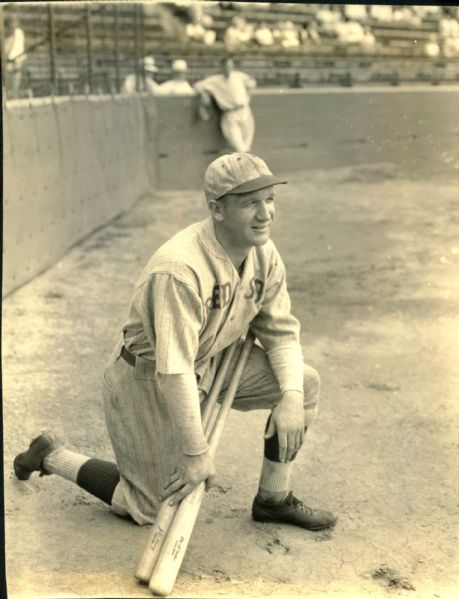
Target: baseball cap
{"x": 179, "y": 65}
{"x": 238, "y": 173}
{"x": 149, "y": 64}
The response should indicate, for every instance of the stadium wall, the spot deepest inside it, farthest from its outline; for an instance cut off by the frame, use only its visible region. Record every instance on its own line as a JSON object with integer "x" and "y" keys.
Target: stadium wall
{"x": 71, "y": 165}
{"x": 414, "y": 129}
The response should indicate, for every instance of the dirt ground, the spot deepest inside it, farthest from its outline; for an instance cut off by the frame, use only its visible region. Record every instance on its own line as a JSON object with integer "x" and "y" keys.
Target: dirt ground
{"x": 372, "y": 262}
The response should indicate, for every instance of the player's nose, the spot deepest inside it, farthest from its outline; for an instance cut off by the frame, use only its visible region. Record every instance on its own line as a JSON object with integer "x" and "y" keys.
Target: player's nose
{"x": 264, "y": 212}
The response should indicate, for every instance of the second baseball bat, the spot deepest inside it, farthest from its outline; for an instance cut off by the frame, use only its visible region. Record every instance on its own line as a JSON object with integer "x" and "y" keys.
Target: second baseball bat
{"x": 172, "y": 552}
{"x": 167, "y": 512}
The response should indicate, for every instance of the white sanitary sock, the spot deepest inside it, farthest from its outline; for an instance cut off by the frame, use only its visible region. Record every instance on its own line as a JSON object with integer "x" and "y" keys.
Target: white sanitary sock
{"x": 275, "y": 480}
{"x": 64, "y": 463}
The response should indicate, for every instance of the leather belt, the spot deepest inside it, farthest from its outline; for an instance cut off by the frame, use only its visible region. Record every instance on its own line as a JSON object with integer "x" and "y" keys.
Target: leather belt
{"x": 128, "y": 356}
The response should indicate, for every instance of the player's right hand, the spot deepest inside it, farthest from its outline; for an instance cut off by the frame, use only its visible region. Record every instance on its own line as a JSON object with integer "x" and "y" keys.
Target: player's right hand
{"x": 192, "y": 471}
{"x": 204, "y": 112}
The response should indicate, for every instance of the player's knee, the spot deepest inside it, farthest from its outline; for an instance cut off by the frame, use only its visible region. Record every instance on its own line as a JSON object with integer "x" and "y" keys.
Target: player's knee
{"x": 119, "y": 503}
{"x": 311, "y": 385}
{"x": 310, "y": 412}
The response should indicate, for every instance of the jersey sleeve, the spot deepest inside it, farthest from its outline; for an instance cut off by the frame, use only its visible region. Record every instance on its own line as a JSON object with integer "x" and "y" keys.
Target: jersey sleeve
{"x": 202, "y": 86}
{"x": 279, "y": 331}
{"x": 172, "y": 315}
{"x": 151, "y": 86}
{"x": 249, "y": 82}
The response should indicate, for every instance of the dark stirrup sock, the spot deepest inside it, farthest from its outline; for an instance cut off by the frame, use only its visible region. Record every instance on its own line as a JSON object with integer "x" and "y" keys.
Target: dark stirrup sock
{"x": 271, "y": 450}
{"x": 99, "y": 478}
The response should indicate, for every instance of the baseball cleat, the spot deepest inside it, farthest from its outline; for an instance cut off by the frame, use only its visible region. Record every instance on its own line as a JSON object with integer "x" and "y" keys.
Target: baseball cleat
{"x": 32, "y": 459}
{"x": 292, "y": 511}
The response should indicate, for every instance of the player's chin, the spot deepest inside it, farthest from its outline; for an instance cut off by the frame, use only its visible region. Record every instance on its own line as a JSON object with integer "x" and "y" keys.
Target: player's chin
{"x": 260, "y": 236}
{"x": 260, "y": 242}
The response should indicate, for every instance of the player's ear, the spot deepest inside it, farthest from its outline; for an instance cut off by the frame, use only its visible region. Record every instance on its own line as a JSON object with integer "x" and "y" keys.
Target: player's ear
{"x": 216, "y": 208}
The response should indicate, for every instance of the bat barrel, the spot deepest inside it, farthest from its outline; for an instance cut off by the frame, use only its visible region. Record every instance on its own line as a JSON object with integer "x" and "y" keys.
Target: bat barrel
{"x": 155, "y": 540}
{"x": 175, "y": 544}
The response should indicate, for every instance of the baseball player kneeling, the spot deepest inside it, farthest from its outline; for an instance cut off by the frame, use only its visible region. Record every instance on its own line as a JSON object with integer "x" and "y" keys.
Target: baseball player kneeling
{"x": 199, "y": 293}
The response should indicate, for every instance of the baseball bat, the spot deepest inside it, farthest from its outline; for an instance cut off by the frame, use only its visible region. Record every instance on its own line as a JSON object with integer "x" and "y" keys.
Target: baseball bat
{"x": 178, "y": 536}
{"x": 167, "y": 512}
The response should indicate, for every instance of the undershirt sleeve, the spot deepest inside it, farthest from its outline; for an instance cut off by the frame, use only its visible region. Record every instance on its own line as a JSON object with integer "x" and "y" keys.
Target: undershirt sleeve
{"x": 182, "y": 398}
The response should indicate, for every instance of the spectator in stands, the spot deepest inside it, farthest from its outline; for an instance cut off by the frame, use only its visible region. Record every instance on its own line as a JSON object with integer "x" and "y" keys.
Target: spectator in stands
{"x": 449, "y": 32}
{"x": 368, "y": 42}
{"x": 381, "y": 12}
{"x": 173, "y": 18}
{"x": 15, "y": 55}
{"x": 450, "y": 47}
{"x": 357, "y": 12}
{"x": 238, "y": 35}
{"x": 198, "y": 33}
{"x": 406, "y": 14}
{"x": 349, "y": 32}
{"x": 431, "y": 47}
{"x": 231, "y": 90}
{"x": 200, "y": 28}
{"x": 178, "y": 85}
{"x": 289, "y": 35}
{"x": 327, "y": 16}
{"x": 427, "y": 11}
{"x": 303, "y": 35}
{"x": 311, "y": 32}
{"x": 143, "y": 80}
{"x": 448, "y": 26}
{"x": 263, "y": 35}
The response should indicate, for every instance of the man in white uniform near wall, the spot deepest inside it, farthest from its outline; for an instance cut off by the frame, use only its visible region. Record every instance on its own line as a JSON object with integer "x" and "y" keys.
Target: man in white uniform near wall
{"x": 142, "y": 81}
{"x": 231, "y": 90}
{"x": 178, "y": 85}
{"x": 199, "y": 293}
{"x": 15, "y": 55}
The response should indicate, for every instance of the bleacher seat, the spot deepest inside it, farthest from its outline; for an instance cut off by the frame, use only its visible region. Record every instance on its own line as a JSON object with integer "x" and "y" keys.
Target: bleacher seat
{"x": 326, "y": 61}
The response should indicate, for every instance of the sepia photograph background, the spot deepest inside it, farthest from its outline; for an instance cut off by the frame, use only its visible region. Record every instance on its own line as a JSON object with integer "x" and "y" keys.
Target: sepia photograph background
{"x": 357, "y": 107}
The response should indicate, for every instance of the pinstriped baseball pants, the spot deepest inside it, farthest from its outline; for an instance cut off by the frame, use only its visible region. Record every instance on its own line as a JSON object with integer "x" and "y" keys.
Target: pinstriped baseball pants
{"x": 142, "y": 433}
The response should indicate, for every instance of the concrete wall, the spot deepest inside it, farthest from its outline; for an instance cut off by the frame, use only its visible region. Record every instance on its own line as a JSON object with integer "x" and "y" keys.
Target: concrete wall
{"x": 185, "y": 143}
{"x": 73, "y": 164}
{"x": 70, "y": 166}
{"x": 414, "y": 129}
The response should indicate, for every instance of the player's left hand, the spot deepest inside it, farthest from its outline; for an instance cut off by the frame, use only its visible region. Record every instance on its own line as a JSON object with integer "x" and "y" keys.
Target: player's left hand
{"x": 192, "y": 470}
{"x": 287, "y": 419}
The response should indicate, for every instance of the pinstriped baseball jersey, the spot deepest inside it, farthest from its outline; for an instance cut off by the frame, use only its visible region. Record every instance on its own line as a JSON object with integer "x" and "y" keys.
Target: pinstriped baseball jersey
{"x": 190, "y": 303}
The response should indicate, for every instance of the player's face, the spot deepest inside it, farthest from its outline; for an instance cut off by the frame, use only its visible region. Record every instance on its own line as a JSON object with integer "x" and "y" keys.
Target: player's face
{"x": 228, "y": 66}
{"x": 247, "y": 218}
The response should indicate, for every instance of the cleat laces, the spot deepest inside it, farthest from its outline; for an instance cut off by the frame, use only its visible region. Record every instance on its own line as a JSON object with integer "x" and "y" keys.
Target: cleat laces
{"x": 297, "y": 504}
